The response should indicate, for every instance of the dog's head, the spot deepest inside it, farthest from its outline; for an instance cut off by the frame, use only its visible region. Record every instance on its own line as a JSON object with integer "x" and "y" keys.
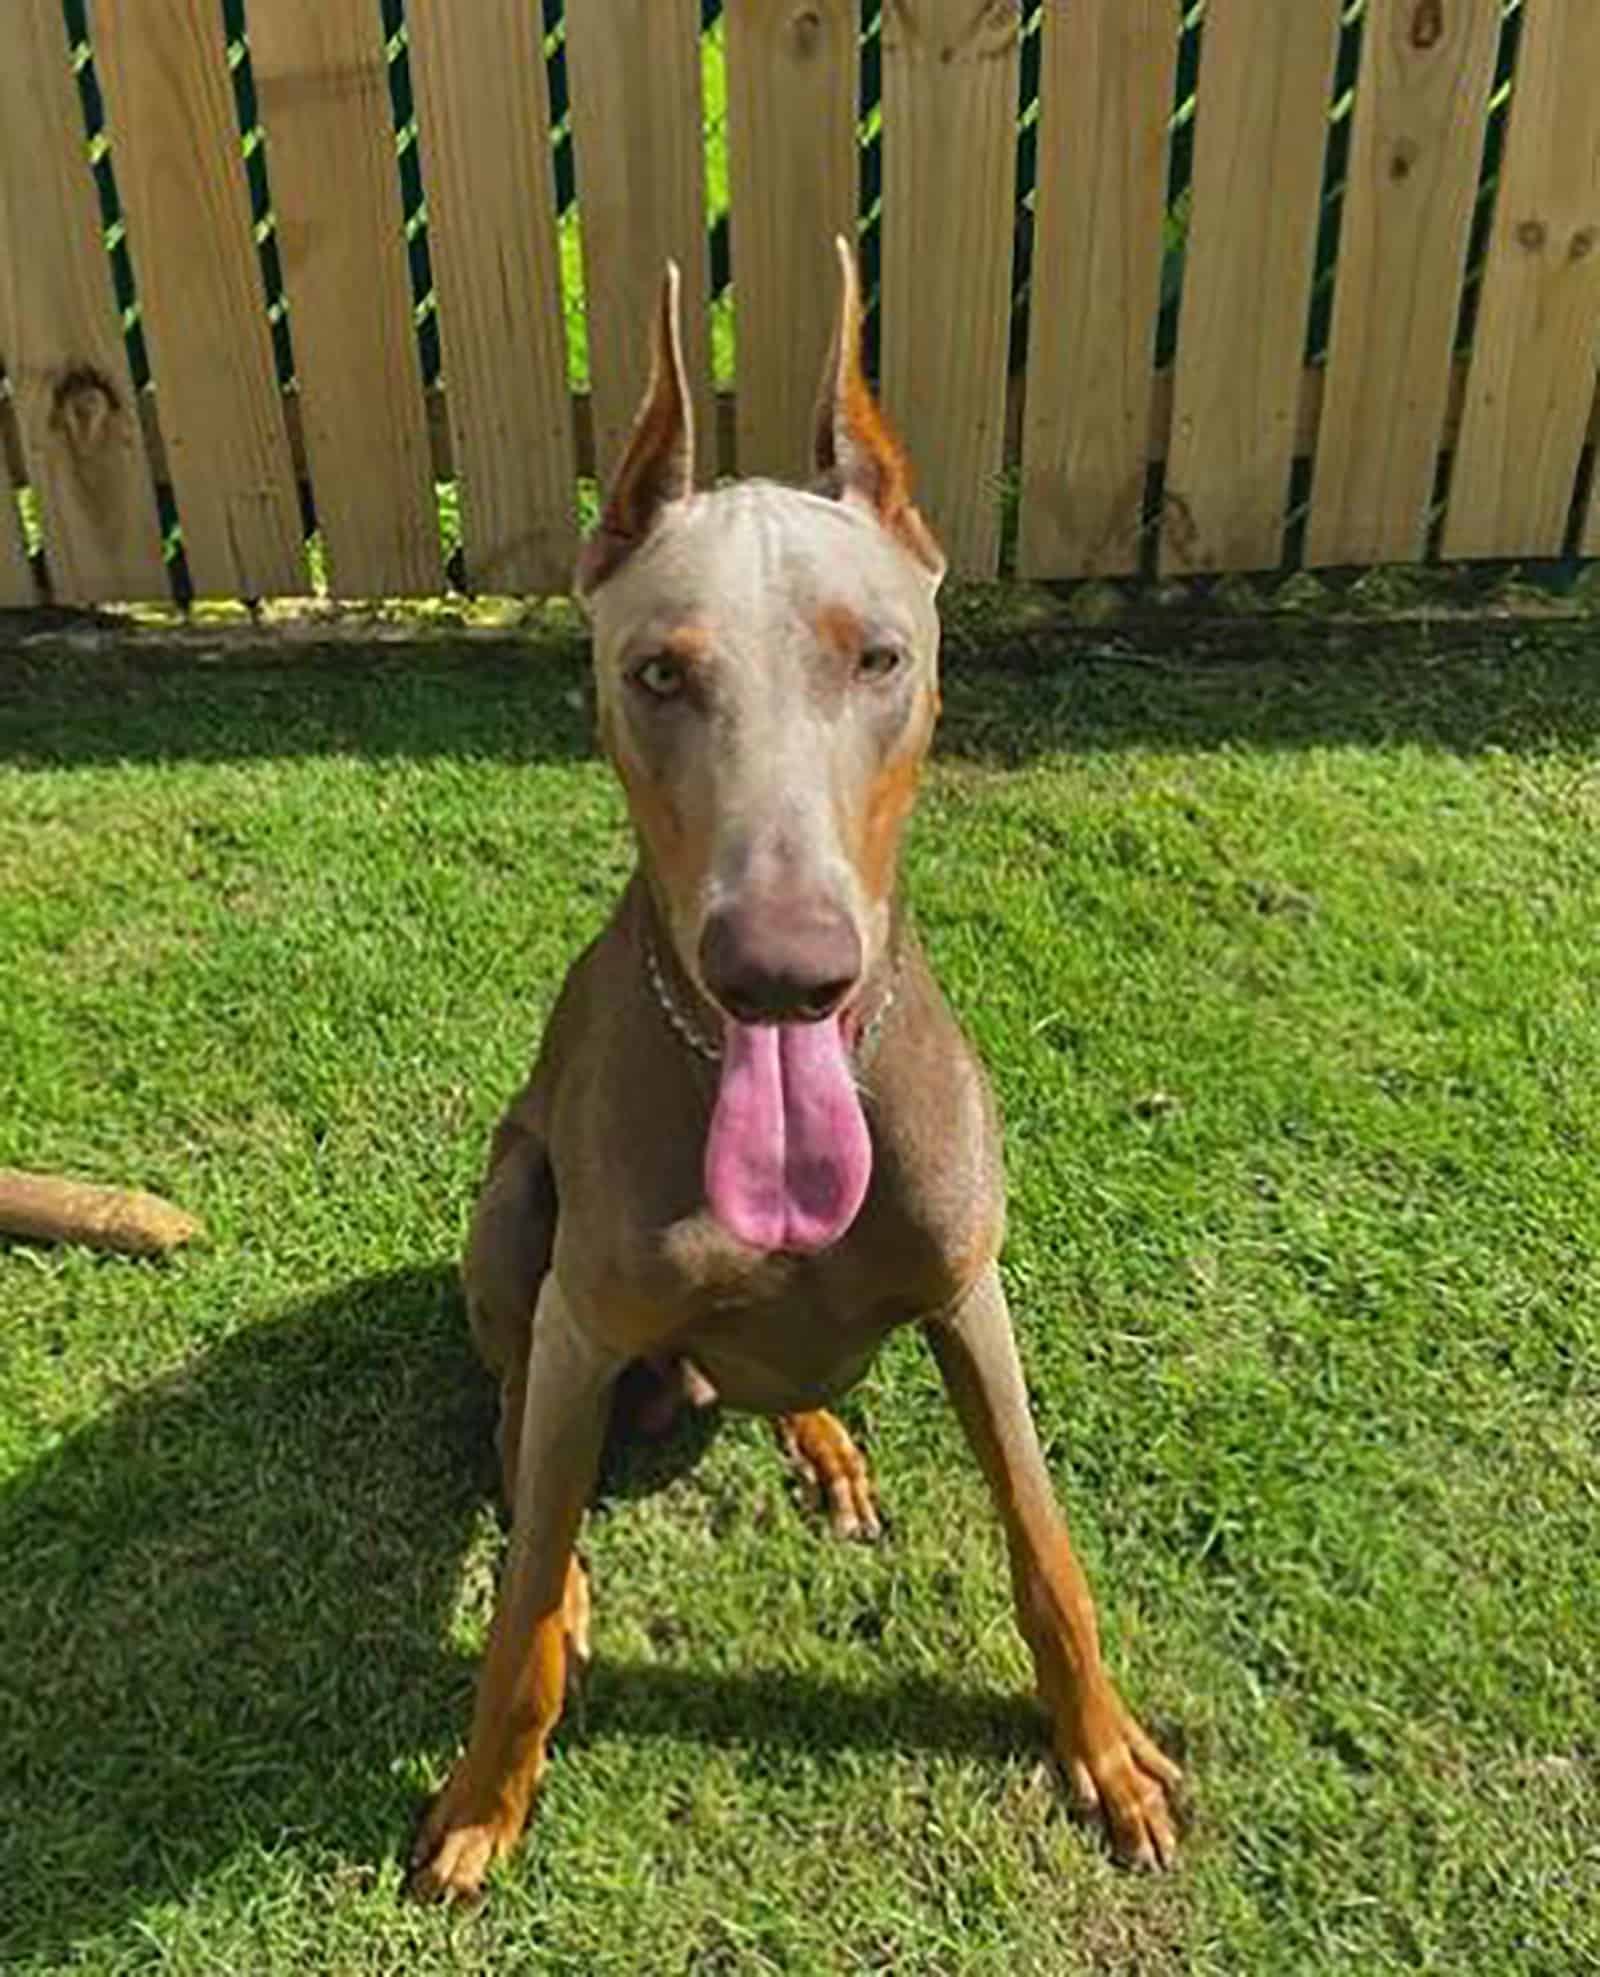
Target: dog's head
{"x": 767, "y": 678}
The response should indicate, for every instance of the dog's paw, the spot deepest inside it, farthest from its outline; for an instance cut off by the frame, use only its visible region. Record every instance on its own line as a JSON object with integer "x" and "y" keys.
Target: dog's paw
{"x": 834, "y": 1472}
{"x": 1114, "y": 1769}
{"x": 459, "y": 1840}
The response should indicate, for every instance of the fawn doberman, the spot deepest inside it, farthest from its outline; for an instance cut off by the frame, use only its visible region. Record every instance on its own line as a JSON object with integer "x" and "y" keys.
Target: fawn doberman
{"x": 755, "y": 1139}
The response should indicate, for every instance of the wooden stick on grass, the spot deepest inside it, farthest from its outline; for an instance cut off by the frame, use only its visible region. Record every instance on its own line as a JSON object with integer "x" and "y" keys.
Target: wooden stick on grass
{"x": 48, "y": 1208}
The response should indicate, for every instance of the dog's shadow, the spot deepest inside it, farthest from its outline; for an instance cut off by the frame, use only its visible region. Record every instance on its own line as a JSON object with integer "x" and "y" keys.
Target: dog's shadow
{"x": 231, "y": 1605}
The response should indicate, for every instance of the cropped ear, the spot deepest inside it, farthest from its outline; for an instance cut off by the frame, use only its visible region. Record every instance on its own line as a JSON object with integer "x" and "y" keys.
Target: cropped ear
{"x": 658, "y": 462}
{"x": 858, "y": 457}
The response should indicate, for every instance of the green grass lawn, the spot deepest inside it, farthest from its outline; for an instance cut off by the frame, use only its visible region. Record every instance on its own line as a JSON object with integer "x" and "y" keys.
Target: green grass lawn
{"x": 1284, "y": 963}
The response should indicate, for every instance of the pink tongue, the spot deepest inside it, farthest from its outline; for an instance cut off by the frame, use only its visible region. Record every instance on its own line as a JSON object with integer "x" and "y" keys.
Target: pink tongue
{"x": 788, "y": 1157}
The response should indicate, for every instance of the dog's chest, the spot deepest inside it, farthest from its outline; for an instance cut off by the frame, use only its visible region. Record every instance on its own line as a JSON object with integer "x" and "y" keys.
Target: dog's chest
{"x": 779, "y": 1332}
{"x": 784, "y": 1355}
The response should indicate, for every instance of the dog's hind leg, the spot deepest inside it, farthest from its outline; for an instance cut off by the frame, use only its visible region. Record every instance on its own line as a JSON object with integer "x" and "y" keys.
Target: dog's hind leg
{"x": 507, "y": 1255}
{"x": 819, "y": 1446}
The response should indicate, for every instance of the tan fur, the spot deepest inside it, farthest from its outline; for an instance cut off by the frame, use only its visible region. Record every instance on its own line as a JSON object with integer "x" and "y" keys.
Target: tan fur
{"x": 839, "y": 631}
{"x": 890, "y": 796}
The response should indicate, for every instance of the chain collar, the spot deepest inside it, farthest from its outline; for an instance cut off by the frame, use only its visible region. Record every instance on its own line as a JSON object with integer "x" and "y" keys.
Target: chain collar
{"x": 711, "y": 1049}
{"x": 686, "y": 1031}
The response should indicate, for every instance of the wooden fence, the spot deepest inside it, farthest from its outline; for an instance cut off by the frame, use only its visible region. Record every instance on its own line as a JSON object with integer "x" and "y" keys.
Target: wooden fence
{"x": 351, "y": 293}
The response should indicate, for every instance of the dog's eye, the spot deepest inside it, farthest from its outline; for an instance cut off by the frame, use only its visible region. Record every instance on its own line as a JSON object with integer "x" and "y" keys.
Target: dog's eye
{"x": 661, "y": 677}
{"x": 877, "y": 662}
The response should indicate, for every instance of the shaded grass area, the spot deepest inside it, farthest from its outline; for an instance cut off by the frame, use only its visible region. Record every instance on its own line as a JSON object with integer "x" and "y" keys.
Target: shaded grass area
{"x": 1280, "y": 949}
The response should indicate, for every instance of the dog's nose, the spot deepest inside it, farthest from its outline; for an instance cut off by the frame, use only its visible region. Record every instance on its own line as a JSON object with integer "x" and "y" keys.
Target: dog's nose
{"x": 778, "y": 961}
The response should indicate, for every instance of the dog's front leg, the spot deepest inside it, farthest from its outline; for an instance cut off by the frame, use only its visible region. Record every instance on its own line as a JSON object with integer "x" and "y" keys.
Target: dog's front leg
{"x": 1108, "y": 1759}
{"x": 543, "y": 1604}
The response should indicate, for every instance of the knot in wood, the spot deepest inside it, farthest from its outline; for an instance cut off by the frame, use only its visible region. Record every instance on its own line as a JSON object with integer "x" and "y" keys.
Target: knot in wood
{"x": 1402, "y": 158}
{"x": 1427, "y": 23}
{"x": 82, "y": 406}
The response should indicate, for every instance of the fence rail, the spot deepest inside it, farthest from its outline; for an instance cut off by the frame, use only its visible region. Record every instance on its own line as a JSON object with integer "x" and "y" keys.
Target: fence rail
{"x": 350, "y": 294}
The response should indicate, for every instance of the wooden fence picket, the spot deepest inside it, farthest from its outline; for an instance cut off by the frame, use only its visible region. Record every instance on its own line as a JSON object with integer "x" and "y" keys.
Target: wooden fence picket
{"x": 322, "y": 84}
{"x": 634, "y": 70}
{"x": 1532, "y": 378}
{"x": 1415, "y": 152}
{"x": 485, "y": 132}
{"x": 792, "y": 83}
{"x": 175, "y": 146}
{"x": 1261, "y": 127}
{"x": 949, "y": 179}
{"x": 1105, "y": 103}
{"x": 60, "y": 339}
